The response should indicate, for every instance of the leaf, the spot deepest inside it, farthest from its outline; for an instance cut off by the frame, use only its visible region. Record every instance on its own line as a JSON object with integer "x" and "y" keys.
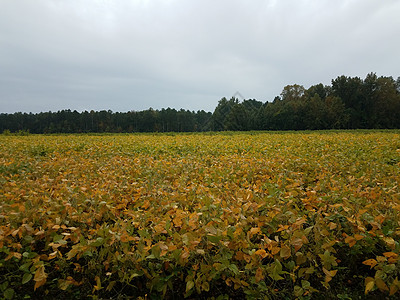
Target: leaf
{"x": 40, "y": 274}
{"x": 213, "y": 238}
{"x": 358, "y": 237}
{"x": 390, "y": 242}
{"x": 297, "y": 243}
{"x": 350, "y": 240}
{"x": 205, "y": 286}
{"x": 26, "y": 278}
{"x": 110, "y": 286}
{"x": 63, "y": 284}
{"x": 275, "y": 250}
{"x": 332, "y": 225}
{"x": 370, "y": 262}
{"x": 390, "y": 254}
{"x": 381, "y": 285}
{"x": 38, "y": 284}
{"x": 9, "y": 293}
{"x": 394, "y": 288}
{"x": 330, "y": 273}
{"x": 71, "y": 254}
{"x": 97, "y": 286}
{"x": 259, "y": 275}
{"x": 254, "y": 230}
{"x": 146, "y": 204}
{"x": 274, "y": 270}
{"x": 189, "y": 285}
{"x": 298, "y": 291}
{"x": 193, "y": 220}
{"x": 285, "y": 252}
{"x": 369, "y": 284}
{"x": 305, "y": 284}
{"x": 234, "y": 269}
{"x": 262, "y": 253}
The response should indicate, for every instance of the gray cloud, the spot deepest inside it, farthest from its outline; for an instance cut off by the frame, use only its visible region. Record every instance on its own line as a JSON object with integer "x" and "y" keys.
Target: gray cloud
{"x": 132, "y": 55}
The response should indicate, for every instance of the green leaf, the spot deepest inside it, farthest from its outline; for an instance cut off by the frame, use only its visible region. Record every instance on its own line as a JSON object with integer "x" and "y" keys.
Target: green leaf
{"x": 234, "y": 268}
{"x": 298, "y": 291}
{"x": 305, "y": 284}
{"x": 278, "y": 266}
{"x": 9, "y": 293}
{"x": 57, "y": 238}
{"x": 156, "y": 251}
{"x": 25, "y": 267}
{"x": 213, "y": 238}
{"x": 26, "y": 278}
{"x": 274, "y": 270}
{"x": 98, "y": 242}
{"x": 205, "y": 286}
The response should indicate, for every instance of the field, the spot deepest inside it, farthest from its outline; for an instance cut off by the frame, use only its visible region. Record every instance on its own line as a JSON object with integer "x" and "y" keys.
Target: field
{"x": 226, "y": 216}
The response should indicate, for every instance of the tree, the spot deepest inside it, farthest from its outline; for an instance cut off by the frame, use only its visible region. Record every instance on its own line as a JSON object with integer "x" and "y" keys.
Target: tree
{"x": 237, "y": 118}
{"x": 221, "y": 113}
{"x": 292, "y": 92}
{"x": 349, "y": 90}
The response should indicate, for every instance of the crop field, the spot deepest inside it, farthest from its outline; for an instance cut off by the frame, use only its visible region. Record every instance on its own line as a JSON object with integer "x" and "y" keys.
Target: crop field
{"x": 295, "y": 215}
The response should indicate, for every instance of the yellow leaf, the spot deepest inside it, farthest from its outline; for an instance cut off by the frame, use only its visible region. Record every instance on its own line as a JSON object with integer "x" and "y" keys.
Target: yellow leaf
{"x": 380, "y": 259}
{"x": 350, "y": 240}
{"x": 370, "y": 262}
{"x": 369, "y": 284}
{"x": 285, "y": 252}
{"x": 282, "y": 227}
{"x": 189, "y": 285}
{"x": 381, "y": 285}
{"x": 194, "y": 220}
{"x": 330, "y": 273}
{"x": 38, "y": 284}
{"x": 259, "y": 275}
{"x": 332, "y": 225}
{"x": 275, "y": 250}
{"x": 390, "y": 242}
{"x": 297, "y": 243}
{"x": 146, "y": 204}
{"x": 358, "y": 237}
{"x": 254, "y": 230}
{"x": 390, "y": 254}
{"x": 393, "y": 289}
{"x": 53, "y": 254}
{"x": 40, "y": 277}
{"x": 40, "y": 274}
{"x": 98, "y": 283}
{"x": 392, "y": 257}
{"x": 261, "y": 253}
{"x": 160, "y": 228}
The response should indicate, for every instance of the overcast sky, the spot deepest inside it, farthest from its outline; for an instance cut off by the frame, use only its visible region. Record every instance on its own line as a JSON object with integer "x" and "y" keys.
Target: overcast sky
{"x": 135, "y": 54}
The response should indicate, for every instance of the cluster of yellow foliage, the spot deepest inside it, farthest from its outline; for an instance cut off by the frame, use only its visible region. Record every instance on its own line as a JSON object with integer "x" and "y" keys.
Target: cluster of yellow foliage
{"x": 228, "y": 215}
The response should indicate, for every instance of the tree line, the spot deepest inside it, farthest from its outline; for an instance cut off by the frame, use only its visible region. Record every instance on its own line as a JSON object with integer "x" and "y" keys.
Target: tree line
{"x": 67, "y": 121}
{"x": 348, "y": 103}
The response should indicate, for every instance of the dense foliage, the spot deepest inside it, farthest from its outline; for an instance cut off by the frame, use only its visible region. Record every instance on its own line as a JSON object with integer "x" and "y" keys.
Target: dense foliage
{"x": 256, "y": 216}
{"x": 349, "y": 103}
{"x": 67, "y": 121}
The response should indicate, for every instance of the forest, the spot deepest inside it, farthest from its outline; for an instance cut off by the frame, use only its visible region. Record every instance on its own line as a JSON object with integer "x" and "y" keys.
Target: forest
{"x": 348, "y": 103}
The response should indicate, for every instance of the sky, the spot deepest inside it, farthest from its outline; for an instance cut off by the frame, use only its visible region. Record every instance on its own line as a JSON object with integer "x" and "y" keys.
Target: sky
{"x": 125, "y": 55}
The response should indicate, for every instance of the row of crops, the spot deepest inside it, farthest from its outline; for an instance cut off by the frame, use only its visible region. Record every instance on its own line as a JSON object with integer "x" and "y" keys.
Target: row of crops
{"x": 219, "y": 216}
